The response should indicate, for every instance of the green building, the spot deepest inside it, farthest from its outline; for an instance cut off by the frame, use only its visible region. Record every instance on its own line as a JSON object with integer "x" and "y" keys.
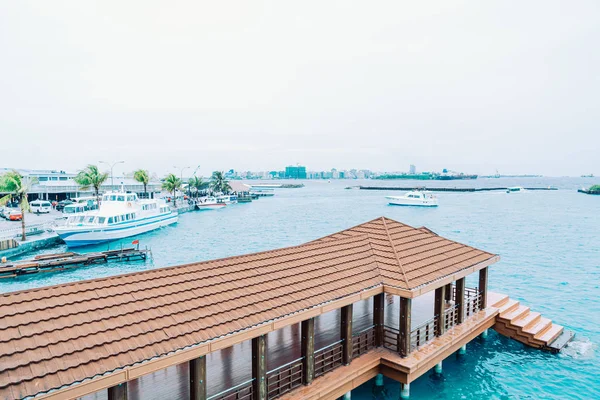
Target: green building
{"x": 297, "y": 172}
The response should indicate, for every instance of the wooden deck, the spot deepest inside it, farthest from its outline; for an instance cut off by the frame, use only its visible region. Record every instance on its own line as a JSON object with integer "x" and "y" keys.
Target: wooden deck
{"x": 380, "y": 360}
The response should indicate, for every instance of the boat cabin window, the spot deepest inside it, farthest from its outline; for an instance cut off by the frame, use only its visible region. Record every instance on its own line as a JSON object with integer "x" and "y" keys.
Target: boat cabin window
{"x": 90, "y": 220}
{"x": 120, "y": 198}
{"x": 101, "y": 220}
{"x": 110, "y": 220}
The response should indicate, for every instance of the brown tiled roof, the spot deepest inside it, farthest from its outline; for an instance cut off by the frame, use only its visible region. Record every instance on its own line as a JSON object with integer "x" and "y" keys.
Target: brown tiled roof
{"x": 56, "y": 336}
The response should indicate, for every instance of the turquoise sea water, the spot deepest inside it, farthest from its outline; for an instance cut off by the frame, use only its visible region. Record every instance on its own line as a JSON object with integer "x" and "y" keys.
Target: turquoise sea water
{"x": 549, "y": 242}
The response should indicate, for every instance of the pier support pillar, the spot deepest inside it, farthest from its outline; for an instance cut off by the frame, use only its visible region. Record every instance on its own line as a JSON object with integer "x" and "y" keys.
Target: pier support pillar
{"x": 259, "y": 368}
{"x": 440, "y": 308}
{"x": 198, "y": 378}
{"x": 463, "y": 350}
{"x": 378, "y": 318}
{"x": 483, "y": 281}
{"x": 484, "y": 334}
{"x": 404, "y": 390}
{"x": 460, "y": 299}
{"x": 405, "y": 326}
{"x": 438, "y": 368}
{"x": 118, "y": 392}
{"x": 346, "y": 334}
{"x": 379, "y": 380}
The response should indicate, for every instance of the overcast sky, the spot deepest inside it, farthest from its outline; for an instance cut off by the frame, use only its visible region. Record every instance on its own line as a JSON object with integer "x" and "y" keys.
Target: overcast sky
{"x": 471, "y": 86}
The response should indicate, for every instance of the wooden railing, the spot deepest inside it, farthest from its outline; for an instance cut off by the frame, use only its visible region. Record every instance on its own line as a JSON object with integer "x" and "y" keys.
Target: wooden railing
{"x": 284, "y": 378}
{"x": 390, "y": 338}
{"x": 450, "y": 317}
{"x": 363, "y": 341}
{"x": 243, "y": 391}
{"x": 472, "y": 304}
{"x": 328, "y": 358}
{"x": 423, "y": 333}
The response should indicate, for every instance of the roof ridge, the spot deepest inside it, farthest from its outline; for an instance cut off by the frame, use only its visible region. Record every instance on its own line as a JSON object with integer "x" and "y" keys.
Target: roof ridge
{"x": 374, "y": 258}
{"x": 395, "y": 252}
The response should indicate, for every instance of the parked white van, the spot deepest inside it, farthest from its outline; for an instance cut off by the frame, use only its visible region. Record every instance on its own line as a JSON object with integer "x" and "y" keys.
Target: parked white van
{"x": 40, "y": 206}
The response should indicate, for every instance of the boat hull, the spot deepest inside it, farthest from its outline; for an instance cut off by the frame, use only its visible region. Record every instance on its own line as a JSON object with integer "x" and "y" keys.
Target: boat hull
{"x": 85, "y": 236}
{"x": 403, "y": 201}
{"x": 217, "y": 206}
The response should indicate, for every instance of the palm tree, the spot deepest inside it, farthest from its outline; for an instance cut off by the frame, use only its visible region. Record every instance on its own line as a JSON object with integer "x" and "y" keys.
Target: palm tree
{"x": 13, "y": 183}
{"x": 197, "y": 183}
{"x": 171, "y": 184}
{"x": 91, "y": 177}
{"x": 143, "y": 177}
{"x": 218, "y": 183}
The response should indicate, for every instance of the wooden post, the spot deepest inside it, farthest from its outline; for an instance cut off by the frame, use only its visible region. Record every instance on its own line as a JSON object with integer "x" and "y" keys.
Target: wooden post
{"x": 378, "y": 318}
{"x": 405, "y": 326}
{"x": 483, "y": 281}
{"x": 448, "y": 293}
{"x": 440, "y": 307}
{"x": 118, "y": 392}
{"x": 198, "y": 378}
{"x": 460, "y": 299}
{"x": 308, "y": 350}
{"x": 346, "y": 334}
{"x": 259, "y": 368}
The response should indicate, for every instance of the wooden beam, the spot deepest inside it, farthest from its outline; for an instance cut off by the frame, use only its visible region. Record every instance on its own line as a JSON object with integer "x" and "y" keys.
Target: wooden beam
{"x": 346, "y": 334}
{"x": 448, "y": 293}
{"x": 259, "y": 368}
{"x": 118, "y": 392}
{"x": 483, "y": 282}
{"x": 378, "y": 318}
{"x": 440, "y": 308}
{"x": 460, "y": 299}
{"x": 308, "y": 350}
{"x": 198, "y": 378}
{"x": 405, "y": 326}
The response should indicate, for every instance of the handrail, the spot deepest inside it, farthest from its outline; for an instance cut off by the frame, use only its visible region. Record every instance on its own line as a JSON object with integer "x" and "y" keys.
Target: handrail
{"x": 285, "y": 365}
{"x": 329, "y": 345}
{"x": 364, "y": 330}
{"x": 230, "y": 389}
{"x": 391, "y": 328}
{"x": 423, "y": 325}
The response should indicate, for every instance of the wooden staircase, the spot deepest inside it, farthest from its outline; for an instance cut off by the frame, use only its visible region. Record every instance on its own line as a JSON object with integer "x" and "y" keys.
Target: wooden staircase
{"x": 528, "y": 327}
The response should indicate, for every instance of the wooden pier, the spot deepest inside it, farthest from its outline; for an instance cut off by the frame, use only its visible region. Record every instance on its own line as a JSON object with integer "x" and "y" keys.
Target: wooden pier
{"x": 63, "y": 261}
{"x": 258, "y": 326}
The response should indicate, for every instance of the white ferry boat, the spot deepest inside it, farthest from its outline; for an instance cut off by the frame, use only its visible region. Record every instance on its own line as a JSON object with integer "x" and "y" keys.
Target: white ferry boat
{"x": 227, "y": 198}
{"x": 414, "y": 198}
{"x": 120, "y": 215}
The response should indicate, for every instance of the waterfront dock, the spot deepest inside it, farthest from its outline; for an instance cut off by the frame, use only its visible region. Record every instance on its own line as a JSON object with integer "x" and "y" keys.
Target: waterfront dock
{"x": 448, "y": 189}
{"x": 63, "y": 261}
{"x": 313, "y": 320}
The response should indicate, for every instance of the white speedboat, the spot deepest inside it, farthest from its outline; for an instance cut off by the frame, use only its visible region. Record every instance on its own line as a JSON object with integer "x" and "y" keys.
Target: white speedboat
{"x": 227, "y": 199}
{"x": 414, "y": 198}
{"x": 120, "y": 215}
{"x": 515, "y": 189}
{"x": 209, "y": 203}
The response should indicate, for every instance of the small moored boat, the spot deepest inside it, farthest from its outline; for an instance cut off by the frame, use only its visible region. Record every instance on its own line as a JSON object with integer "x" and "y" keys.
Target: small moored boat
{"x": 209, "y": 203}
{"x": 515, "y": 189}
{"x": 415, "y": 198}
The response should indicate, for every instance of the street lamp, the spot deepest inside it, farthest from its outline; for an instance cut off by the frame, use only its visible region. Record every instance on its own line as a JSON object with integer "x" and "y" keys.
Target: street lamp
{"x": 112, "y": 183}
{"x": 181, "y": 172}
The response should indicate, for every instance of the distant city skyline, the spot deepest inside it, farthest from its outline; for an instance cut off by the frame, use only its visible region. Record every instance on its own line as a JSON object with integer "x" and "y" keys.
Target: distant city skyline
{"x": 255, "y": 86}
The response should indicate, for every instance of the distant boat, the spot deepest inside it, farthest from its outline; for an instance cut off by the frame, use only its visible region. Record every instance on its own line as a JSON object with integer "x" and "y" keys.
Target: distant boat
{"x": 587, "y": 176}
{"x": 515, "y": 189}
{"x": 414, "y": 198}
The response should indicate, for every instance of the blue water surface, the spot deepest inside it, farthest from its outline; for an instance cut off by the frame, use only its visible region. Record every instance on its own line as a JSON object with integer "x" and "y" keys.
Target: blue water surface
{"x": 549, "y": 242}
